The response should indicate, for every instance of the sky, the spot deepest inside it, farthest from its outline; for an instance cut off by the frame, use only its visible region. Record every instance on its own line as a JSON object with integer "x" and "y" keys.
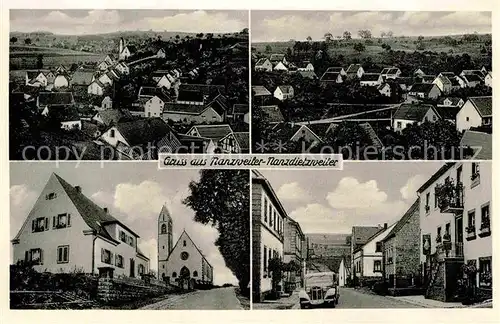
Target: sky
{"x": 362, "y": 194}
{"x": 133, "y": 192}
{"x": 268, "y": 26}
{"x": 77, "y": 22}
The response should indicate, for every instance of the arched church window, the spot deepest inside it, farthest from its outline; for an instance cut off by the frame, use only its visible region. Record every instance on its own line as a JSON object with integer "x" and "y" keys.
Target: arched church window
{"x": 174, "y": 275}
{"x": 195, "y": 273}
{"x": 163, "y": 229}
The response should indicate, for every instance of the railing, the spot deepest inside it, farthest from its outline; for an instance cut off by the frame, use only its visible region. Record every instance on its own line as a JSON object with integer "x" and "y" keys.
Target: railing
{"x": 450, "y": 196}
{"x": 450, "y": 250}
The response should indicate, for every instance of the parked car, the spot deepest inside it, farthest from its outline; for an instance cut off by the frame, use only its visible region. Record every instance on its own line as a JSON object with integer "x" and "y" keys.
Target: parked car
{"x": 320, "y": 289}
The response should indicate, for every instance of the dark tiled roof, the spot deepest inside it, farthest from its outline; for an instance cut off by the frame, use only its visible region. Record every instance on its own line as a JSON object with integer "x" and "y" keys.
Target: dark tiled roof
{"x": 411, "y": 112}
{"x": 482, "y": 142}
{"x": 55, "y": 98}
{"x": 260, "y": 62}
{"x": 169, "y": 144}
{"x": 406, "y": 217}
{"x": 330, "y": 76}
{"x": 448, "y": 113}
{"x": 82, "y": 78}
{"x": 372, "y": 135}
{"x": 131, "y": 48}
{"x": 308, "y": 74}
{"x": 353, "y": 68}
{"x": 277, "y": 57}
{"x": 206, "y": 89}
{"x": 286, "y": 88}
{"x": 114, "y": 116}
{"x": 243, "y": 139}
{"x": 361, "y": 234}
{"x": 190, "y": 95}
{"x": 422, "y": 87}
{"x": 214, "y": 132}
{"x": 219, "y": 104}
{"x": 185, "y": 108}
{"x": 472, "y": 78}
{"x": 260, "y": 91}
{"x": 454, "y": 100}
{"x": 337, "y": 69}
{"x": 273, "y": 114}
{"x": 241, "y": 109}
{"x": 370, "y": 77}
{"x": 483, "y": 105}
{"x": 148, "y": 91}
{"x": 143, "y": 131}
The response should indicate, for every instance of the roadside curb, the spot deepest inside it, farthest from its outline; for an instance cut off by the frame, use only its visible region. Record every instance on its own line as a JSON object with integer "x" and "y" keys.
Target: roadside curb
{"x": 425, "y": 305}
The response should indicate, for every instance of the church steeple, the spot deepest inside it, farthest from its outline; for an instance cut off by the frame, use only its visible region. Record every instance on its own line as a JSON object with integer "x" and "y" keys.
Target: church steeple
{"x": 165, "y": 240}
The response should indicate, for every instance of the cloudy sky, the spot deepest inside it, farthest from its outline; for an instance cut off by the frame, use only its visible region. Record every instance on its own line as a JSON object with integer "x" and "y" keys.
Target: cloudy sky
{"x": 362, "y": 194}
{"x": 133, "y": 192}
{"x": 75, "y": 22}
{"x": 298, "y": 25}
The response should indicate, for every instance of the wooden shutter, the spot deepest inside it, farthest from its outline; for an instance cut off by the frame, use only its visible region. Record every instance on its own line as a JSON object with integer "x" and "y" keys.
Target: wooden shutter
{"x": 68, "y": 220}
{"x": 66, "y": 254}
{"x": 33, "y": 226}
{"x": 26, "y": 256}
{"x": 41, "y": 256}
{"x": 110, "y": 257}
{"x": 102, "y": 255}
{"x": 53, "y": 221}
{"x": 46, "y": 223}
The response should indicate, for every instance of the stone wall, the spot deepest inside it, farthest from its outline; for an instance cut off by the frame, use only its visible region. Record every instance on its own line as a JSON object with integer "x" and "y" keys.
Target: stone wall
{"x": 127, "y": 289}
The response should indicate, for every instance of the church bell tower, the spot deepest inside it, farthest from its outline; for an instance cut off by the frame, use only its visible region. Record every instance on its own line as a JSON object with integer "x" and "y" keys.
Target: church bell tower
{"x": 165, "y": 241}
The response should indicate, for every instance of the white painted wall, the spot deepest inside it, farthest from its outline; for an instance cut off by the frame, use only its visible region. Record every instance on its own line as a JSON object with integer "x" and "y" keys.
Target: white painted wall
{"x": 113, "y": 140}
{"x": 468, "y": 117}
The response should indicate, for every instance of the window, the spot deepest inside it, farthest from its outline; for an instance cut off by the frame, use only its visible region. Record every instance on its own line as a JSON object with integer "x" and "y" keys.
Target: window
{"x": 63, "y": 254}
{"x": 106, "y": 256}
{"x": 485, "y": 216}
{"x": 184, "y": 256}
{"x": 61, "y": 221}
{"x": 195, "y": 273}
{"x": 112, "y": 133}
{"x": 163, "y": 247}
{"x": 471, "y": 220}
{"x": 485, "y": 272}
{"x": 123, "y": 237}
{"x": 163, "y": 229}
{"x": 265, "y": 259}
{"x": 399, "y": 125}
{"x": 467, "y": 118}
{"x": 174, "y": 275}
{"x": 35, "y": 256}
{"x": 378, "y": 247}
{"x": 265, "y": 209}
{"x": 427, "y": 202}
{"x": 51, "y": 196}
{"x": 377, "y": 266}
{"x": 119, "y": 261}
{"x": 40, "y": 224}
{"x": 447, "y": 229}
{"x": 438, "y": 237}
{"x": 141, "y": 269}
{"x": 131, "y": 241}
{"x": 184, "y": 243}
{"x": 271, "y": 217}
{"x": 435, "y": 198}
{"x": 474, "y": 174}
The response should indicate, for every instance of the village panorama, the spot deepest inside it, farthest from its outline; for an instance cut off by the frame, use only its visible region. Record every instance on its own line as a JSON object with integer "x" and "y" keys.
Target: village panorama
{"x": 123, "y": 95}
{"x": 372, "y": 85}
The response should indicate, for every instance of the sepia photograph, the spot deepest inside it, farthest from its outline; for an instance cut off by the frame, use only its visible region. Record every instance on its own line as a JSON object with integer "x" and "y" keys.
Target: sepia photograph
{"x": 372, "y": 85}
{"x": 128, "y": 236}
{"x": 375, "y": 235}
{"x": 127, "y": 84}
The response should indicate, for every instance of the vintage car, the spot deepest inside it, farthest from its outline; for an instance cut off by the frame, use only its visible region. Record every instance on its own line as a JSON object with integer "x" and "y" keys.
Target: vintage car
{"x": 320, "y": 289}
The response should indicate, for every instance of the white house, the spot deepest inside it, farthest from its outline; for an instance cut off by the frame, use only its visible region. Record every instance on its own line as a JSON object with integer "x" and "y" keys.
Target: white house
{"x": 164, "y": 82}
{"x": 306, "y": 134}
{"x": 337, "y": 69}
{"x": 425, "y": 90}
{"x": 122, "y": 67}
{"x": 371, "y": 79}
{"x": 447, "y": 82}
{"x": 384, "y": 89}
{"x": 154, "y": 107}
{"x": 413, "y": 113}
{"x": 305, "y": 66}
{"x": 161, "y": 53}
{"x": 477, "y": 111}
{"x": 455, "y": 225}
{"x": 61, "y": 81}
{"x": 66, "y": 231}
{"x": 96, "y": 88}
{"x": 263, "y": 64}
{"x": 455, "y": 102}
{"x": 280, "y": 66}
{"x": 355, "y": 71}
{"x": 283, "y": 92}
{"x": 268, "y": 217}
{"x": 391, "y": 73}
{"x": 344, "y": 272}
{"x": 103, "y": 66}
{"x": 488, "y": 79}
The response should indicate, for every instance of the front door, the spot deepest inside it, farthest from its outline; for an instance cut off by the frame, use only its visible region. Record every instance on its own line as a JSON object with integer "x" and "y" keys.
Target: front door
{"x": 132, "y": 268}
{"x": 459, "y": 236}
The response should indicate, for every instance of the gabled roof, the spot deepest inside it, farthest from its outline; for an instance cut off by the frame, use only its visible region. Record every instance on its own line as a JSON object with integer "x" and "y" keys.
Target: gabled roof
{"x": 243, "y": 139}
{"x": 448, "y": 112}
{"x": 454, "y": 100}
{"x": 353, "y": 68}
{"x": 241, "y": 109}
{"x": 199, "y": 251}
{"x": 286, "y": 89}
{"x": 330, "y": 76}
{"x": 406, "y": 217}
{"x": 206, "y": 89}
{"x": 422, "y": 87}
{"x": 273, "y": 114}
{"x": 480, "y": 142}
{"x": 55, "y": 98}
{"x": 219, "y": 104}
{"x": 361, "y": 234}
{"x": 276, "y": 57}
{"x": 147, "y": 91}
{"x": 183, "y": 108}
{"x": 190, "y": 95}
{"x": 303, "y": 64}
{"x": 370, "y": 77}
{"x": 334, "y": 69}
{"x": 114, "y": 116}
{"x": 170, "y": 143}
{"x": 372, "y": 135}
{"x": 442, "y": 170}
{"x": 413, "y": 112}
{"x": 308, "y": 74}
{"x": 213, "y": 132}
{"x": 260, "y": 91}
{"x": 472, "y": 78}
{"x": 143, "y": 131}
{"x": 82, "y": 77}
{"x": 261, "y": 62}
{"x": 483, "y": 105}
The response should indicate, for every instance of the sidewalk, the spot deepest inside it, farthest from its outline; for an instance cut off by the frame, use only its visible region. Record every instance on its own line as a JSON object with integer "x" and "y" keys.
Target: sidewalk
{"x": 428, "y": 303}
{"x": 290, "y": 302}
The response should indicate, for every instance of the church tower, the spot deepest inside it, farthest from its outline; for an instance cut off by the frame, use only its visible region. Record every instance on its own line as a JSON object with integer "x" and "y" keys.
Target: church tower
{"x": 165, "y": 241}
{"x": 122, "y": 45}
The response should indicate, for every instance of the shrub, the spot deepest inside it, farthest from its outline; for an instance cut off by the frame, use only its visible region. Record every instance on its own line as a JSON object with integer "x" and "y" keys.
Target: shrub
{"x": 380, "y": 288}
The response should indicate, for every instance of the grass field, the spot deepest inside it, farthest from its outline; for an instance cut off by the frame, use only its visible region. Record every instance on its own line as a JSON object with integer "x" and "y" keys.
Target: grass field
{"x": 24, "y": 57}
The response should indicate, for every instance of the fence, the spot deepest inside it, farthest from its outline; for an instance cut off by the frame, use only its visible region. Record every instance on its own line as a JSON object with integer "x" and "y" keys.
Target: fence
{"x": 123, "y": 289}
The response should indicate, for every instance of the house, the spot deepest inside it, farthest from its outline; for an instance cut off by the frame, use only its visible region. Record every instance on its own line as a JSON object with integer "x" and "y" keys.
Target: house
{"x": 471, "y": 80}
{"x": 278, "y": 58}
{"x": 305, "y": 133}
{"x": 384, "y": 89}
{"x": 61, "y": 69}
{"x": 418, "y": 72}
{"x": 186, "y": 266}
{"x": 214, "y": 111}
{"x": 479, "y": 142}
{"x": 331, "y": 77}
{"x": 283, "y": 92}
{"x": 54, "y": 99}
{"x": 308, "y": 74}
{"x": 455, "y": 222}
{"x": 65, "y": 231}
{"x": 371, "y": 79}
{"x": 147, "y": 92}
{"x": 164, "y": 82}
{"x": 82, "y": 78}
{"x": 425, "y": 78}
{"x": 337, "y": 69}
{"x": 69, "y": 118}
{"x": 477, "y": 111}
{"x": 479, "y": 73}
{"x": 447, "y": 82}
{"x": 110, "y": 60}
{"x": 122, "y": 67}
{"x": 425, "y": 90}
{"x": 367, "y": 258}
{"x": 154, "y": 106}
{"x": 237, "y": 142}
{"x": 106, "y": 103}
{"x": 268, "y": 219}
{"x": 161, "y": 53}
{"x": 355, "y": 71}
{"x": 260, "y": 91}
{"x": 404, "y": 83}
{"x": 125, "y": 51}
{"x": 454, "y": 102}
{"x": 448, "y": 113}
{"x": 263, "y": 64}
{"x": 401, "y": 256}
{"x": 305, "y": 66}
{"x": 411, "y": 113}
{"x": 344, "y": 271}
{"x": 272, "y": 114}
{"x": 488, "y": 79}
{"x": 107, "y": 78}
{"x": 280, "y": 66}
{"x": 112, "y": 117}
{"x": 390, "y": 73}
{"x": 96, "y": 88}
{"x": 294, "y": 251}
{"x": 190, "y": 97}
{"x": 61, "y": 81}
{"x": 103, "y": 66}
{"x": 213, "y": 132}
{"x": 38, "y": 78}
{"x": 239, "y": 112}
{"x": 359, "y": 237}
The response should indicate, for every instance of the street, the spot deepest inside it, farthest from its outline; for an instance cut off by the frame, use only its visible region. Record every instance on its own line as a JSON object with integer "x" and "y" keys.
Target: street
{"x": 350, "y": 298}
{"x": 220, "y": 298}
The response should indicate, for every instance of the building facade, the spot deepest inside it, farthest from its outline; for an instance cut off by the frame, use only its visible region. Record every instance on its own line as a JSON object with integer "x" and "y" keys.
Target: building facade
{"x": 294, "y": 251}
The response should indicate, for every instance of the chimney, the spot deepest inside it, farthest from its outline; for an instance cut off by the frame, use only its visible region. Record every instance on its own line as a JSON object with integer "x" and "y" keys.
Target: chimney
{"x": 385, "y": 225}
{"x": 105, "y": 209}
{"x": 78, "y": 189}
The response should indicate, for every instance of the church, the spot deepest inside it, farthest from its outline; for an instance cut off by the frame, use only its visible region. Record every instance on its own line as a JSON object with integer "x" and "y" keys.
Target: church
{"x": 182, "y": 264}
{"x": 125, "y": 51}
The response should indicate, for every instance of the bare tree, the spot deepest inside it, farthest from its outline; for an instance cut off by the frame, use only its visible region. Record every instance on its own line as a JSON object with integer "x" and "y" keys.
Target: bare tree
{"x": 365, "y": 33}
{"x": 347, "y": 35}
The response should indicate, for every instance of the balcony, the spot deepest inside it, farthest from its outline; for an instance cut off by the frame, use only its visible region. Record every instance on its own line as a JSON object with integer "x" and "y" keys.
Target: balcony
{"x": 450, "y": 197}
{"x": 450, "y": 249}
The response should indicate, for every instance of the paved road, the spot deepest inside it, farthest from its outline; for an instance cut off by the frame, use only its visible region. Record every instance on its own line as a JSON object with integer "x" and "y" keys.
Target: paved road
{"x": 220, "y": 298}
